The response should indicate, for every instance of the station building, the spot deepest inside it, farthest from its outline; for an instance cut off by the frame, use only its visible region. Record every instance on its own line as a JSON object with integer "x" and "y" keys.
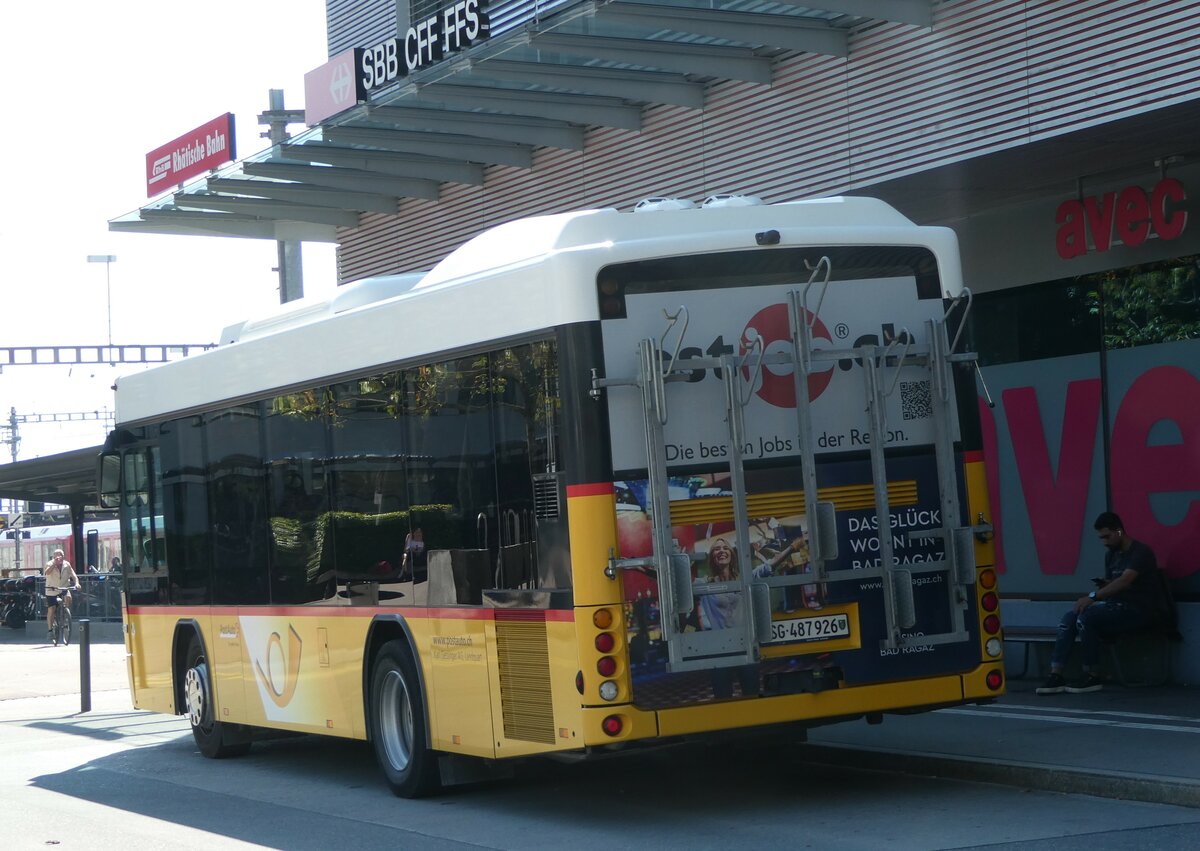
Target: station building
{"x": 1059, "y": 138}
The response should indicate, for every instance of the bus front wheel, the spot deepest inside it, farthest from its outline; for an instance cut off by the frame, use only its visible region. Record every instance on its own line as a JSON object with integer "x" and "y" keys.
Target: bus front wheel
{"x": 398, "y": 724}
{"x": 214, "y": 739}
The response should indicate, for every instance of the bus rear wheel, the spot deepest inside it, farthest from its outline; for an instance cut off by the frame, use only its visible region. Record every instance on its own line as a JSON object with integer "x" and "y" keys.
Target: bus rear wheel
{"x": 214, "y": 739}
{"x": 398, "y": 724}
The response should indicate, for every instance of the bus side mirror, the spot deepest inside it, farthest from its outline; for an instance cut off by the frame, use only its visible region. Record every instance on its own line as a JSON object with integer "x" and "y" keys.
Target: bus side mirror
{"x": 109, "y": 479}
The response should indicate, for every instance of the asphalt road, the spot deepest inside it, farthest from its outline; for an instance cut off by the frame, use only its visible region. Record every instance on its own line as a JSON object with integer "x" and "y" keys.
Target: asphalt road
{"x": 116, "y": 778}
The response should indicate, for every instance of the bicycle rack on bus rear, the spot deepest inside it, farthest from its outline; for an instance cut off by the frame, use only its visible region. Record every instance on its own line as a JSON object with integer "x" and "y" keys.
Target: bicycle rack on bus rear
{"x": 678, "y": 592}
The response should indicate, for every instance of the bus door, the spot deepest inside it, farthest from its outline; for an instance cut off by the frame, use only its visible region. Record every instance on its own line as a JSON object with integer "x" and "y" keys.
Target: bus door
{"x": 516, "y": 563}
{"x": 131, "y": 480}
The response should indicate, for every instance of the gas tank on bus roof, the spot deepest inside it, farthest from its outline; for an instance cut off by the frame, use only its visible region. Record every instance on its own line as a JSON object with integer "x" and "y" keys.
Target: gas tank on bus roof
{"x": 528, "y": 240}
{"x": 311, "y": 309}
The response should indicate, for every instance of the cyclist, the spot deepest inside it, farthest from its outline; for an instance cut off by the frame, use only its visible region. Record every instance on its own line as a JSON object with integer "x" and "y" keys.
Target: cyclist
{"x": 60, "y": 579}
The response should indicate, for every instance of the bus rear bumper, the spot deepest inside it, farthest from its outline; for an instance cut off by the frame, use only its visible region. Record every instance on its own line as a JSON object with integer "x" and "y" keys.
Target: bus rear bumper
{"x": 810, "y": 708}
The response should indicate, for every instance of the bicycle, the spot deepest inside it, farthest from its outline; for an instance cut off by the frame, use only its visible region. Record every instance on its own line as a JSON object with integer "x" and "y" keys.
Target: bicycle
{"x": 62, "y": 620}
{"x": 20, "y": 602}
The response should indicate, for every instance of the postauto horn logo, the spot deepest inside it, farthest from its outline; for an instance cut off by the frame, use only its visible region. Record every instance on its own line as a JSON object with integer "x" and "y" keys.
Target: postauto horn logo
{"x": 771, "y": 325}
{"x": 281, "y": 694}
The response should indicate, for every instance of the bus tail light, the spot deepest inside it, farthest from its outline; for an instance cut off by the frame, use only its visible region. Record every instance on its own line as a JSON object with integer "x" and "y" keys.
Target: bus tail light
{"x": 989, "y": 612}
{"x": 608, "y": 643}
{"x": 579, "y": 681}
{"x": 994, "y": 680}
{"x": 612, "y": 725}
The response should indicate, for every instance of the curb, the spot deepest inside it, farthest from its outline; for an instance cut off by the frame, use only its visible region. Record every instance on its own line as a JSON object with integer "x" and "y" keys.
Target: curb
{"x": 1123, "y": 785}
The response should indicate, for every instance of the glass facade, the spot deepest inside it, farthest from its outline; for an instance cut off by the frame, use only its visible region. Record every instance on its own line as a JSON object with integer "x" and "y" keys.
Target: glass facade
{"x": 1097, "y": 407}
{"x": 1147, "y": 304}
{"x": 1117, "y": 309}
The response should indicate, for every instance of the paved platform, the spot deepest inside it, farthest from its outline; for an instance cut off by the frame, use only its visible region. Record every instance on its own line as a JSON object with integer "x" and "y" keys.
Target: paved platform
{"x": 32, "y": 667}
{"x": 1131, "y": 743}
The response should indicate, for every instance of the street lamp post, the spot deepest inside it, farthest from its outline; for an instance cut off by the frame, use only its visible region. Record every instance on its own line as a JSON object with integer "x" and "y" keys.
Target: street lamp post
{"x": 107, "y": 260}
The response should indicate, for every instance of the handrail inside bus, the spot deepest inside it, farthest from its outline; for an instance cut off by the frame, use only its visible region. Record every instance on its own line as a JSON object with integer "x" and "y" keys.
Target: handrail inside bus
{"x": 481, "y": 518}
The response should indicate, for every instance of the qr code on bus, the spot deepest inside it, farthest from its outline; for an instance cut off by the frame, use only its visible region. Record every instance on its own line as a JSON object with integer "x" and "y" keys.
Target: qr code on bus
{"x": 914, "y": 400}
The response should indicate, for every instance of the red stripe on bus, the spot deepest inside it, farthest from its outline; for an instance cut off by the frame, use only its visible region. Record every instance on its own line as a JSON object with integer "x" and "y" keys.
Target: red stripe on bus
{"x": 595, "y": 489}
{"x": 440, "y": 613}
{"x": 558, "y": 615}
{"x": 184, "y": 611}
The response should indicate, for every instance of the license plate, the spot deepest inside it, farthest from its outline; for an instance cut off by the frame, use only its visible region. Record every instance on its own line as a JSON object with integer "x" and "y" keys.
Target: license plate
{"x": 813, "y": 628}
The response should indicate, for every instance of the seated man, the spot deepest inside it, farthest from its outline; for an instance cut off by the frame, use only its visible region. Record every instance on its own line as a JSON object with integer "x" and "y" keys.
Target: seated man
{"x": 1124, "y": 601}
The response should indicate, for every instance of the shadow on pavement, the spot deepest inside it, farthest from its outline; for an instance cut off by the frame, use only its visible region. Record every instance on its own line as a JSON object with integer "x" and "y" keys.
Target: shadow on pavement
{"x": 310, "y": 792}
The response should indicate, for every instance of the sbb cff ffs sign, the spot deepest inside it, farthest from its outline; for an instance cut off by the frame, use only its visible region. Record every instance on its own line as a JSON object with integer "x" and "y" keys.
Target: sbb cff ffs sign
{"x": 448, "y": 31}
{"x": 1129, "y": 216}
{"x": 193, "y": 153}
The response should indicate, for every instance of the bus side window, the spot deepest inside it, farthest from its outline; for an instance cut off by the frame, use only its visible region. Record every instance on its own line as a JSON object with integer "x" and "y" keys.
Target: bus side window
{"x": 237, "y": 505}
{"x": 369, "y": 516}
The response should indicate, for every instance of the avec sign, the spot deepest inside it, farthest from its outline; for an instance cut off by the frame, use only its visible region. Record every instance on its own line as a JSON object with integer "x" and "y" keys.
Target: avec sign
{"x": 450, "y": 30}
{"x": 1129, "y": 216}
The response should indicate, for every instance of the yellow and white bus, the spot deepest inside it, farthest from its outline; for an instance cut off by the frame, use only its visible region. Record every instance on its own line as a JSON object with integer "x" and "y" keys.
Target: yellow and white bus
{"x": 596, "y": 479}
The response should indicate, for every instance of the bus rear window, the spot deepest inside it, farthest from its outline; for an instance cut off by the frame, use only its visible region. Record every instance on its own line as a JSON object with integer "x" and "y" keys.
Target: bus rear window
{"x": 763, "y": 267}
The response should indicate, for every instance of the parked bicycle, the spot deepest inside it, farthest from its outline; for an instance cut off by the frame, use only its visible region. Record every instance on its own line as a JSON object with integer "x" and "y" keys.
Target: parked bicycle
{"x": 18, "y": 603}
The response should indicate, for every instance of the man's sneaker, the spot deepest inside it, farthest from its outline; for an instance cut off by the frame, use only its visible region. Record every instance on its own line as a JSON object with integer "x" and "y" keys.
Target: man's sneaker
{"x": 1089, "y": 683}
{"x": 1055, "y": 684}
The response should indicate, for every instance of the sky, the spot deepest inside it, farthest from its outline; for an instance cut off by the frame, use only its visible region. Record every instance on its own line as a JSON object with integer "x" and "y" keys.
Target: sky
{"x": 95, "y": 87}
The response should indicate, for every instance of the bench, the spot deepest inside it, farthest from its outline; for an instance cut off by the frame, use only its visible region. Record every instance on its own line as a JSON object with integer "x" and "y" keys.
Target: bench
{"x": 1135, "y": 659}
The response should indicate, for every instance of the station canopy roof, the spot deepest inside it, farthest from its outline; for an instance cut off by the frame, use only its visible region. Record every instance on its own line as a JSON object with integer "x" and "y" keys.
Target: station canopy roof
{"x": 596, "y": 63}
{"x": 531, "y": 84}
{"x": 68, "y": 478}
